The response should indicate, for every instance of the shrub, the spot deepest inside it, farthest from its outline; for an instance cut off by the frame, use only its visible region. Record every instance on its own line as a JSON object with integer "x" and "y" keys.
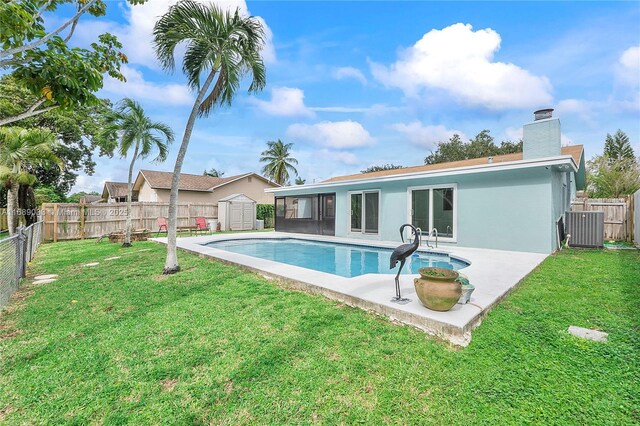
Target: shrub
{"x": 265, "y": 212}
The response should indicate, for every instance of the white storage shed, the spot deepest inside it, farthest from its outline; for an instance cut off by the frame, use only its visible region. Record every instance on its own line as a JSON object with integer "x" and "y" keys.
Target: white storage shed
{"x": 237, "y": 212}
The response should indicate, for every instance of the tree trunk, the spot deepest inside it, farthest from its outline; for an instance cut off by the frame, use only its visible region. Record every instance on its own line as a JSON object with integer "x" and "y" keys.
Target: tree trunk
{"x": 127, "y": 232}
{"x": 27, "y": 204}
{"x": 171, "y": 265}
{"x": 12, "y": 207}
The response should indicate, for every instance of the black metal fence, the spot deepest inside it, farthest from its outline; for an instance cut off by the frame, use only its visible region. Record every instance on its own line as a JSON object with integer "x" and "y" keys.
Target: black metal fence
{"x": 15, "y": 253}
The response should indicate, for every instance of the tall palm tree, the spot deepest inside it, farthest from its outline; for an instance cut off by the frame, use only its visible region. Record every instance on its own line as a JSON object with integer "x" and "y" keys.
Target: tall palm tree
{"x": 19, "y": 149}
{"x": 135, "y": 130}
{"x": 221, "y": 48}
{"x": 279, "y": 162}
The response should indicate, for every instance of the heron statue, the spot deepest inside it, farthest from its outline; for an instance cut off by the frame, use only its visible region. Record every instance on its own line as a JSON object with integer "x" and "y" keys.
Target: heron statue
{"x": 400, "y": 254}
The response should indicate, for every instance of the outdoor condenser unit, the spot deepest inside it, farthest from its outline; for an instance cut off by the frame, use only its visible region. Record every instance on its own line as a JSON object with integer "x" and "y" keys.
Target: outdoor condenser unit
{"x": 586, "y": 229}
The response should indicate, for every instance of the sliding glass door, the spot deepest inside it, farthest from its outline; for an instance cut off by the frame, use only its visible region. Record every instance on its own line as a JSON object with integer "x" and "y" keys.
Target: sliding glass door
{"x": 434, "y": 207}
{"x": 365, "y": 212}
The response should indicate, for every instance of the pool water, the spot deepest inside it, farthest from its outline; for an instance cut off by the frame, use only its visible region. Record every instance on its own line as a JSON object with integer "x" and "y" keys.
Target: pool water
{"x": 334, "y": 258}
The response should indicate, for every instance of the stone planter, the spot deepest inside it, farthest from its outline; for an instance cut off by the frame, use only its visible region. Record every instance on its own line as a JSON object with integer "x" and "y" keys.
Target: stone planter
{"x": 437, "y": 288}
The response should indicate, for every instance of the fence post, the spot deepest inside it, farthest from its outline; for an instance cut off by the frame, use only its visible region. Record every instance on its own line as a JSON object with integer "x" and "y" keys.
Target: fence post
{"x": 20, "y": 253}
{"x": 82, "y": 219}
{"x": 55, "y": 222}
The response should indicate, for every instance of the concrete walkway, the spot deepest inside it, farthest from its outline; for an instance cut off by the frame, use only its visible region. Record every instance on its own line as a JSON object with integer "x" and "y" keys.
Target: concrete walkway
{"x": 493, "y": 272}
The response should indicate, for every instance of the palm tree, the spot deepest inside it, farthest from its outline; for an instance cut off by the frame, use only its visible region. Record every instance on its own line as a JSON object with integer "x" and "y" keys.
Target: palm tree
{"x": 279, "y": 162}
{"x": 300, "y": 181}
{"x": 221, "y": 48}
{"x": 213, "y": 173}
{"x": 135, "y": 130}
{"x": 20, "y": 149}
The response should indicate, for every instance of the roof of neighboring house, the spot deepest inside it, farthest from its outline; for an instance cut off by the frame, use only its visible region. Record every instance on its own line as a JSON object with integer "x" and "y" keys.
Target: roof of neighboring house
{"x": 189, "y": 182}
{"x": 575, "y": 151}
{"x": 115, "y": 189}
{"x": 90, "y": 198}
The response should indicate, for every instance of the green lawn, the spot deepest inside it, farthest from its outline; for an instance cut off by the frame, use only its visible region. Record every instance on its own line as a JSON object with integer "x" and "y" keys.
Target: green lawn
{"x": 119, "y": 343}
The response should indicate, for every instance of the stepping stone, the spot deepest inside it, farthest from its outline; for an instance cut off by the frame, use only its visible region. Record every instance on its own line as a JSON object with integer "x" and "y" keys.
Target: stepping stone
{"x": 587, "y": 333}
{"x": 91, "y": 264}
{"x": 137, "y": 251}
{"x": 113, "y": 258}
{"x": 47, "y": 281}
{"x": 45, "y": 277}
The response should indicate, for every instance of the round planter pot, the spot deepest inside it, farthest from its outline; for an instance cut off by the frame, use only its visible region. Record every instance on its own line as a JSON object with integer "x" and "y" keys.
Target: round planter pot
{"x": 437, "y": 288}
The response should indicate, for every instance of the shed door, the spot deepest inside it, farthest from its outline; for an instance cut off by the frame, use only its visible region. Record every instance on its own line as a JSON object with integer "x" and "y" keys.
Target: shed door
{"x": 235, "y": 216}
{"x": 247, "y": 215}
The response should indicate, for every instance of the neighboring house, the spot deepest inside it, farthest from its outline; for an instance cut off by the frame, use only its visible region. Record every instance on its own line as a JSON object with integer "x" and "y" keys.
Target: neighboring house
{"x": 90, "y": 199}
{"x": 153, "y": 186}
{"x": 508, "y": 202}
{"x": 116, "y": 192}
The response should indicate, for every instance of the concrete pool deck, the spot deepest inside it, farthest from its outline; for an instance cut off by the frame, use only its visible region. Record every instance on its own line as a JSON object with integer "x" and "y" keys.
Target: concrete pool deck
{"x": 493, "y": 272}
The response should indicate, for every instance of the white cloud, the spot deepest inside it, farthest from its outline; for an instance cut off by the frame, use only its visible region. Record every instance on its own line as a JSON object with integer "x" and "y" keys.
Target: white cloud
{"x": 628, "y": 78}
{"x": 343, "y": 157}
{"x": 285, "y": 101}
{"x": 513, "y": 133}
{"x": 349, "y": 72}
{"x": 427, "y": 136}
{"x": 459, "y": 61}
{"x": 137, "y": 87}
{"x": 340, "y": 109}
{"x": 332, "y": 134}
{"x": 630, "y": 65}
{"x": 579, "y": 108}
{"x": 137, "y": 35}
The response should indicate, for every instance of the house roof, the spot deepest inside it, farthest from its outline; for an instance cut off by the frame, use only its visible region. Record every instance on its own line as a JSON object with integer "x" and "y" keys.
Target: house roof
{"x": 115, "y": 189}
{"x": 90, "y": 198}
{"x": 575, "y": 151}
{"x": 190, "y": 182}
{"x": 237, "y": 197}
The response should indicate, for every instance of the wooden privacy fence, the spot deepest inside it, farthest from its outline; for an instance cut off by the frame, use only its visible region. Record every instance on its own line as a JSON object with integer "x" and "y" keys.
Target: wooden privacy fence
{"x": 72, "y": 221}
{"x": 636, "y": 217}
{"x": 618, "y": 215}
{"x": 3, "y": 220}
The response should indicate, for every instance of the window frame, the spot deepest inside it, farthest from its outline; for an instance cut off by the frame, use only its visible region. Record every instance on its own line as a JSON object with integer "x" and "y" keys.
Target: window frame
{"x": 362, "y": 230}
{"x": 425, "y": 232}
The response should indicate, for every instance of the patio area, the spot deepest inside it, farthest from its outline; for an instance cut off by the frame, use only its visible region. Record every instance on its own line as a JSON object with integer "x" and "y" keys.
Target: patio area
{"x": 493, "y": 272}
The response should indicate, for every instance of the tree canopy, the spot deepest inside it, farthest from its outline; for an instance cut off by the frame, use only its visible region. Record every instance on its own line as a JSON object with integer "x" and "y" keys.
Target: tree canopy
{"x": 618, "y": 147}
{"x": 482, "y": 145}
{"x": 46, "y": 64}
{"x": 381, "y": 168}
{"x": 77, "y": 130}
{"x": 616, "y": 172}
{"x": 213, "y": 173}
{"x": 612, "y": 179}
{"x": 21, "y": 149}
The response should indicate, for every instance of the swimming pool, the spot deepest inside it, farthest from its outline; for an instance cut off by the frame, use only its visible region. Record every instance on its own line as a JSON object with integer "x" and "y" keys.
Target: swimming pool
{"x": 345, "y": 260}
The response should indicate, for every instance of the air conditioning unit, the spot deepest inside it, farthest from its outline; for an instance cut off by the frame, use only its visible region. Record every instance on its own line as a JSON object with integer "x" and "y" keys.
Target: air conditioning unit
{"x": 586, "y": 229}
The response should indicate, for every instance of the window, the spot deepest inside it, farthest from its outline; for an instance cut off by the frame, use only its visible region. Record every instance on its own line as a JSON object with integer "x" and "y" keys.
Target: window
{"x": 434, "y": 207}
{"x": 297, "y": 207}
{"x": 356, "y": 212}
{"x": 280, "y": 207}
{"x": 365, "y": 206}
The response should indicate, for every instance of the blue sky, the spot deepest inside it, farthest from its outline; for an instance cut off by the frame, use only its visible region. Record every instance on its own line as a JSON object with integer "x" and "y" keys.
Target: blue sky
{"x": 353, "y": 84}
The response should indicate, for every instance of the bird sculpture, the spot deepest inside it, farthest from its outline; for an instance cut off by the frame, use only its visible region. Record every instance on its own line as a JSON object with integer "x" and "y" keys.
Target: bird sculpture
{"x": 400, "y": 254}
